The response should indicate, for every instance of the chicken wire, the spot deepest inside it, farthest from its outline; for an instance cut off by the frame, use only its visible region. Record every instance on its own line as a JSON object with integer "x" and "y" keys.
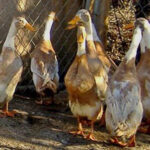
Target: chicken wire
{"x": 36, "y": 12}
{"x": 64, "y": 42}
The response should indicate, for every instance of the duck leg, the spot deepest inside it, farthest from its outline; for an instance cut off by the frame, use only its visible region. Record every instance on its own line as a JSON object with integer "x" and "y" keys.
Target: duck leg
{"x": 39, "y": 102}
{"x": 6, "y": 112}
{"x": 80, "y": 128}
{"x": 50, "y": 100}
{"x": 132, "y": 141}
{"x": 42, "y": 101}
{"x": 102, "y": 121}
{"x": 90, "y": 136}
{"x": 117, "y": 142}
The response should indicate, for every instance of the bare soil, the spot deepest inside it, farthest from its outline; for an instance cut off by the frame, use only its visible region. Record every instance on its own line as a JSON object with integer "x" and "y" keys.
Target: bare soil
{"x": 47, "y": 127}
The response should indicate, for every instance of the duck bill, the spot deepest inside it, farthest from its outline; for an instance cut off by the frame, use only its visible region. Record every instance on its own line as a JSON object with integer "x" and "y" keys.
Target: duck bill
{"x": 73, "y": 23}
{"x": 129, "y": 26}
{"x": 69, "y": 27}
{"x": 29, "y": 27}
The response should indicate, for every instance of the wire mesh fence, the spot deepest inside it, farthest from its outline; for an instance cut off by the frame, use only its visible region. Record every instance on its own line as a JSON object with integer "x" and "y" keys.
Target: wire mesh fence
{"x": 36, "y": 11}
{"x": 64, "y": 42}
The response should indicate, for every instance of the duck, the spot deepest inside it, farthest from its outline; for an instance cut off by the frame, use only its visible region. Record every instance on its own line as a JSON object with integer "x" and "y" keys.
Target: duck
{"x": 86, "y": 79}
{"x": 11, "y": 65}
{"x": 141, "y": 10}
{"x": 44, "y": 65}
{"x": 143, "y": 75}
{"x": 84, "y": 16}
{"x": 124, "y": 109}
{"x": 107, "y": 62}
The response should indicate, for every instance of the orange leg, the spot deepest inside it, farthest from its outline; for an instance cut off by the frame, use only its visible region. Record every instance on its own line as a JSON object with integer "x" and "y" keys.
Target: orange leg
{"x": 102, "y": 121}
{"x": 117, "y": 142}
{"x": 6, "y": 112}
{"x": 44, "y": 102}
{"x": 80, "y": 128}
{"x": 132, "y": 141}
{"x": 90, "y": 136}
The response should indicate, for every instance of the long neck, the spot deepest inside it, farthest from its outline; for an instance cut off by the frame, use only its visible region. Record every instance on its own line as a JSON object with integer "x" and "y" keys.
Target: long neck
{"x": 91, "y": 49}
{"x": 10, "y": 39}
{"x": 142, "y": 45}
{"x": 48, "y": 26}
{"x": 81, "y": 48}
{"x": 137, "y": 36}
{"x": 89, "y": 31}
{"x": 95, "y": 36}
{"x": 146, "y": 37}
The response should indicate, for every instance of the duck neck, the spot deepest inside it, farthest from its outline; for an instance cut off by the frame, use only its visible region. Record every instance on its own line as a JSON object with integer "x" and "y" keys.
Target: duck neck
{"x": 137, "y": 36}
{"x": 48, "y": 26}
{"x": 81, "y": 49}
{"x": 90, "y": 43}
{"x": 146, "y": 37}
{"x": 89, "y": 31}
{"x": 10, "y": 39}
{"x": 95, "y": 36}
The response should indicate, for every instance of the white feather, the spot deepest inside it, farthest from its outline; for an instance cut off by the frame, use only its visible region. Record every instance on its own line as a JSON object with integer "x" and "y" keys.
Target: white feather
{"x": 85, "y": 110}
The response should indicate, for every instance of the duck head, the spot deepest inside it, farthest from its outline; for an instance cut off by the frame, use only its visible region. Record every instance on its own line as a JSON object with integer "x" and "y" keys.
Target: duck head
{"x": 21, "y": 22}
{"x": 142, "y": 23}
{"x": 52, "y": 16}
{"x": 82, "y": 17}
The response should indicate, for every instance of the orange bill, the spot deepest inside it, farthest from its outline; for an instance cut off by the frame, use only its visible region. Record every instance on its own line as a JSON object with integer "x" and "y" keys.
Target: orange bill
{"x": 129, "y": 26}
{"x": 29, "y": 27}
{"x": 73, "y": 23}
{"x": 69, "y": 27}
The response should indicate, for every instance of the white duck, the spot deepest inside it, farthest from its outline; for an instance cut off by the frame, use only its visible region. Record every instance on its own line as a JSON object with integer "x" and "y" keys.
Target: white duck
{"x": 124, "y": 107}
{"x": 10, "y": 65}
{"x": 44, "y": 64}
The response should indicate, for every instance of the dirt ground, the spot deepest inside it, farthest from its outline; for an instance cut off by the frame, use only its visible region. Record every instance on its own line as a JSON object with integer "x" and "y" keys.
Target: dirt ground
{"x": 46, "y": 128}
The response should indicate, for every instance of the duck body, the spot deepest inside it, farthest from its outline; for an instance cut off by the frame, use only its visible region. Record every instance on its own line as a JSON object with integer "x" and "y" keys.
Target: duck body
{"x": 10, "y": 73}
{"x": 143, "y": 71}
{"x": 11, "y": 66}
{"x": 82, "y": 89}
{"x": 86, "y": 79}
{"x": 143, "y": 75}
{"x": 124, "y": 107}
{"x": 44, "y": 64}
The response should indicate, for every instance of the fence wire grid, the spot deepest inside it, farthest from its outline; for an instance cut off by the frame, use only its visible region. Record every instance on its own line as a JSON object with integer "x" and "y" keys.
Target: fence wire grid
{"x": 120, "y": 13}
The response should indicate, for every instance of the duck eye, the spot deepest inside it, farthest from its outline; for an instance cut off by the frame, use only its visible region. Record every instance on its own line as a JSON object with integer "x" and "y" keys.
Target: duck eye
{"x": 85, "y": 17}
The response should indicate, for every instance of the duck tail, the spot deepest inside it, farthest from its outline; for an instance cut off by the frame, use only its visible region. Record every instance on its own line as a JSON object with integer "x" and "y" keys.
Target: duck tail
{"x": 121, "y": 128}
